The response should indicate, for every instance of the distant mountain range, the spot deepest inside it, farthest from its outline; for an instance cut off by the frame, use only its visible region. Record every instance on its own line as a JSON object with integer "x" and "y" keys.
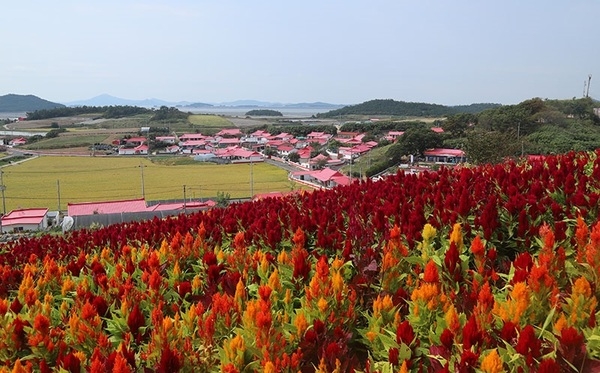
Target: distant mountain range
{"x": 108, "y": 100}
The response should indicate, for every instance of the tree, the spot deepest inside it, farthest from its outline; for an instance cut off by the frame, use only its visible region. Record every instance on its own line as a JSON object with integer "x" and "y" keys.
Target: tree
{"x": 491, "y": 146}
{"x": 414, "y": 142}
{"x": 294, "y": 157}
{"x": 457, "y": 124}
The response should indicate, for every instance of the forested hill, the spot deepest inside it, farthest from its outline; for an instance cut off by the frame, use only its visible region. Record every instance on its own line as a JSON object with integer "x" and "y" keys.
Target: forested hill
{"x": 12, "y": 103}
{"x": 407, "y": 109}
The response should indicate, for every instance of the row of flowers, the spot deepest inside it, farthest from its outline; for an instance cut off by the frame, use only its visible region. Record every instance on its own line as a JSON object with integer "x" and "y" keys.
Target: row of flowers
{"x": 441, "y": 304}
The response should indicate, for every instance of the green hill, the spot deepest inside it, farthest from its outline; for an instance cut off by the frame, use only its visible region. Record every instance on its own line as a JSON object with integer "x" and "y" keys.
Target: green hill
{"x": 25, "y": 103}
{"x": 404, "y": 109}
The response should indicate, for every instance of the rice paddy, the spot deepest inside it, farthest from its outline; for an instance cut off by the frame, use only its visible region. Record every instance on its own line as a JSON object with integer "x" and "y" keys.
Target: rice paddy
{"x": 54, "y": 181}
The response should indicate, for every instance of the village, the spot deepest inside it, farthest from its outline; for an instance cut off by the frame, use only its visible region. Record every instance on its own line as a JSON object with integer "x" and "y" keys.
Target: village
{"x": 308, "y": 163}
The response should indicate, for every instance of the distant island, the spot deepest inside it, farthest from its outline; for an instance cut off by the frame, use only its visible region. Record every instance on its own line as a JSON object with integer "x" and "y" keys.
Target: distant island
{"x": 264, "y": 113}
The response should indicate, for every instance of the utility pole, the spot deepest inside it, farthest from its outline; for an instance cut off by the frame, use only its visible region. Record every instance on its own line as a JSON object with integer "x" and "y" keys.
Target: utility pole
{"x": 142, "y": 169}
{"x": 251, "y": 180}
{"x": 587, "y": 93}
{"x": 184, "y": 197}
{"x": 3, "y": 188}
{"x": 58, "y": 191}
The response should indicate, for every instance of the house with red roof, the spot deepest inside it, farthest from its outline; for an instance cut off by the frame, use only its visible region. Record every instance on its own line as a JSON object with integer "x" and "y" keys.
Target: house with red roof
{"x": 137, "y": 150}
{"x": 167, "y": 139}
{"x": 325, "y": 178}
{"x": 192, "y": 136}
{"x": 437, "y": 129}
{"x": 33, "y": 219}
{"x": 229, "y": 132}
{"x": 392, "y": 136}
{"x": 17, "y": 141}
{"x": 441, "y": 155}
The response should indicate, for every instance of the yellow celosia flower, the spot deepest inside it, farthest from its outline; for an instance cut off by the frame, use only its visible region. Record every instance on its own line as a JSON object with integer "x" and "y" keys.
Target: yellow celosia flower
{"x": 429, "y": 232}
{"x": 492, "y": 363}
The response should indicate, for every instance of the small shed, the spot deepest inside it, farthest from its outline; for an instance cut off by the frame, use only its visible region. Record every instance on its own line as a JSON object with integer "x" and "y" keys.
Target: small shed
{"x": 34, "y": 219}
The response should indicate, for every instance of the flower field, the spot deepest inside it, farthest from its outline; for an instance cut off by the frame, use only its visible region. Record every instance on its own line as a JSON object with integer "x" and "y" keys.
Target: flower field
{"x": 482, "y": 269}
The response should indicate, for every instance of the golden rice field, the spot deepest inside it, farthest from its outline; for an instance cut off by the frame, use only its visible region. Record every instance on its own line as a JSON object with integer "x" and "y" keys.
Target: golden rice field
{"x": 48, "y": 181}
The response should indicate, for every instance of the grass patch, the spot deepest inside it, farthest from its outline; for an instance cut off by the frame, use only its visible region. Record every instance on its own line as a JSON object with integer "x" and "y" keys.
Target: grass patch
{"x": 364, "y": 163}
{"x": 210, "y": 121}
{"x": 36, "y": 183}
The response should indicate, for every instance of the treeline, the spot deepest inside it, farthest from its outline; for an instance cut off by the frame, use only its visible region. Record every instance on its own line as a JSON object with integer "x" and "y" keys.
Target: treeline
{"x": 404, "y": 109}
{"x": 379, "y": 127}
{"x": 533, "y": 126}
{"x": 117, "y": 111}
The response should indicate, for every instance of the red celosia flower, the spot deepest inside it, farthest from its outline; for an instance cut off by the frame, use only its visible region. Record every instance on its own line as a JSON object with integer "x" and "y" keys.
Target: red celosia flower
{"x": 471, "y": 334}
{"x": 447, "y": 339}
{"x": 528, "y": 345}
{"x": 70, "y": 363}
{"x": 135, "y": 320}
{"x": 265, "y": 292}
{"x": 170, "y": 361}
{"x": 405, "y": 333}
{"x": 572, "y": 346}
{"x": 42, "y": 324}
{"x": 431, "y": 272}
{"x": 393, "y": 355}
{"x": 468, "y": 361}
{"x": 451, "y": 261}
{"x": 509, "y": 332}
{"x": 548, "y": 366}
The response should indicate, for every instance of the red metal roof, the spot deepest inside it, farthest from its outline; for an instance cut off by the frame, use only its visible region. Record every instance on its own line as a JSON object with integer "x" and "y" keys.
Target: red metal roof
{"x": 107, "y": 207}
{"x": 24, "y": 216}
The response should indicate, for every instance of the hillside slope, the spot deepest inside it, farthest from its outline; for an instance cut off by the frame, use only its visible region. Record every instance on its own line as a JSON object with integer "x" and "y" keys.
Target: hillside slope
{"x": 25, "y": 103}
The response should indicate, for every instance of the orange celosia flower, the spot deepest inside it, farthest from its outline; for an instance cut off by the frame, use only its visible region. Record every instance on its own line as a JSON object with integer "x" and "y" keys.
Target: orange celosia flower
{"x": 322, "y": 304}
{"x": 274, "y": 282}
{"x": 452, "y": 320}
{"x": 121, "y": 365}
{"x": 514, "y": 308}
{"x": 477, "y": 247}
{"x": 456, "y": 236}
{"x": 492, "y": 362}
{"x": 301, "y": 324}
{"x": 560, "y": 324}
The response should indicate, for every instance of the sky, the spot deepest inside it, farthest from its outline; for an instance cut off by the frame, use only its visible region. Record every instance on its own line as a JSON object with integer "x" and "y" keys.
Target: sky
{"x": 342, "y": 52}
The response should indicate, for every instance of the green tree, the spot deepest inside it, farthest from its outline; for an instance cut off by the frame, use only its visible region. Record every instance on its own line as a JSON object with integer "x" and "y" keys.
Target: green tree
{"x": 414, "y": 141}
{"x": 491, "y": 146}
{"x": 294, "y": 157}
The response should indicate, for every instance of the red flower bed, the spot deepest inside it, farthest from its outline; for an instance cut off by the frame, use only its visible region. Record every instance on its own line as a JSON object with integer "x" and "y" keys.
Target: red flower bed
{"x": 486, "y": 268}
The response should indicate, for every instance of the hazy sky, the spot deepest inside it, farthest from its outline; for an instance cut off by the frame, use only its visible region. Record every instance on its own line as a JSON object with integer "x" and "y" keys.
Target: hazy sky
{"x": 346, "y": 52}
